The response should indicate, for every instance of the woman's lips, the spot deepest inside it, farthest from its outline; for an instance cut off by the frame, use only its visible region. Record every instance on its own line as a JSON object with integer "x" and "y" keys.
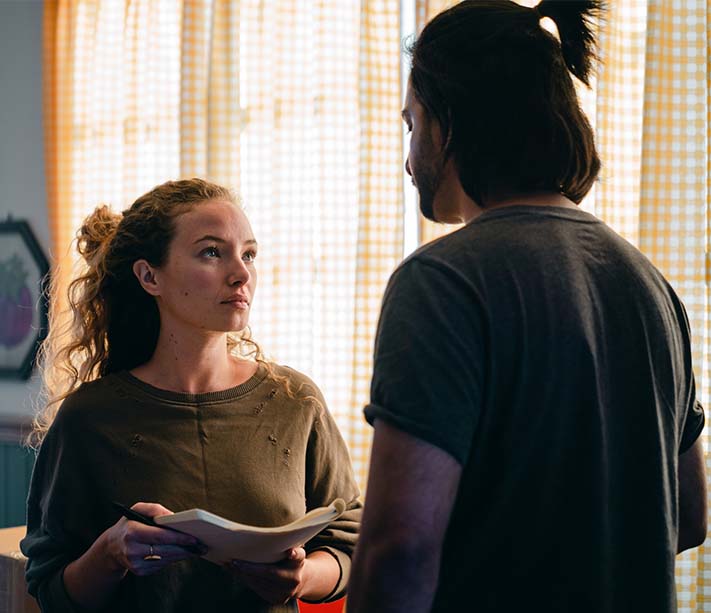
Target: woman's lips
{"x": 237, "y": 303}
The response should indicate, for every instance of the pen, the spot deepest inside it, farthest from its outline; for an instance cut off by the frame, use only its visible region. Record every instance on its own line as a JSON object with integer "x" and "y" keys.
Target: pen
{"x": 149, "y": 521}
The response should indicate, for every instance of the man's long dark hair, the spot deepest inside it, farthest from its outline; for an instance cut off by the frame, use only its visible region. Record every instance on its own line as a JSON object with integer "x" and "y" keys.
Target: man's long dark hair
{"x": 500, "y": 87}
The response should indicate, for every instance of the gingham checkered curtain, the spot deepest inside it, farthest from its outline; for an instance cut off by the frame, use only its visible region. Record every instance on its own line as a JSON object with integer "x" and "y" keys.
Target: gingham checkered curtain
{"x": 295, "y": 105}
{"x": 653, "y": 130}
{"x": 651, "y": 110}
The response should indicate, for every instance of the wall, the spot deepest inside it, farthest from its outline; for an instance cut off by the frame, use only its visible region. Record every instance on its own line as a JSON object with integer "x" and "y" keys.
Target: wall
{"x": 23, "y": 195}
{"x": 22, "y": 179}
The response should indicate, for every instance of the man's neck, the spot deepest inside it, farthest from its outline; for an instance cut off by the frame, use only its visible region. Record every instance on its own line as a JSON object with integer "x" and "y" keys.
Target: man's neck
{"x": 453, "y": 205}
{"x": 532, "y": 199}
{"x": 522, "y": 199}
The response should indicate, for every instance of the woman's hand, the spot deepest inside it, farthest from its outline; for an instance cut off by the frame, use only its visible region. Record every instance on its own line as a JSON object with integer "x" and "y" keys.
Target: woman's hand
{"x": 277, "y": 582}
{"x": 296, "y": 576}
{"x": 128, "y": 543}
{"x": 91, "y": 579}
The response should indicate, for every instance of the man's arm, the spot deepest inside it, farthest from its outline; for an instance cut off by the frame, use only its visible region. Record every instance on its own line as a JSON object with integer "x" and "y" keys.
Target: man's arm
{"x": 412, "y": 486}
{"x": 692, "y": 498}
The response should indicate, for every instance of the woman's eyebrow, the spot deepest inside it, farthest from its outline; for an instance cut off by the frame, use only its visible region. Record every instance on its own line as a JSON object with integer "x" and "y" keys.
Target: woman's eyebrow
{"x": 210, "y": 237}
{"x": 217, "y": 239}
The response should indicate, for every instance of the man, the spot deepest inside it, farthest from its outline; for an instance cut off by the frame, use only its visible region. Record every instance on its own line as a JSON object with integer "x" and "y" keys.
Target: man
{"x": 536, "y": 441}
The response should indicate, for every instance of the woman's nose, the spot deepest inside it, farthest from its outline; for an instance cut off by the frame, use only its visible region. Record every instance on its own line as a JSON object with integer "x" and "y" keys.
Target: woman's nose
{"x": 240, "y": 275}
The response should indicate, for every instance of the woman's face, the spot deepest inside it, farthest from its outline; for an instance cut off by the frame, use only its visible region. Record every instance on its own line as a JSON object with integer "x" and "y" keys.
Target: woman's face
{"x": 209, "y": 278}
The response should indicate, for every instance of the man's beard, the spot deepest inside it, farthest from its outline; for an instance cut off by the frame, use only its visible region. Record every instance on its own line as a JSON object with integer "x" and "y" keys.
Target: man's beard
{"x": 428, "y": 183}
{"x": 426, "y": 202}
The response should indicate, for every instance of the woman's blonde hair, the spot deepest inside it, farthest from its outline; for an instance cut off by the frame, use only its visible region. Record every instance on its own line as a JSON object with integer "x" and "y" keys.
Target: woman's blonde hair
{"x": 110, "y": 323}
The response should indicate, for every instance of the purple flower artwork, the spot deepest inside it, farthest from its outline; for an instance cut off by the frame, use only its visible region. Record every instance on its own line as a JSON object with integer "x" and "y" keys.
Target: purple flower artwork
{"x": 23, "y": 307}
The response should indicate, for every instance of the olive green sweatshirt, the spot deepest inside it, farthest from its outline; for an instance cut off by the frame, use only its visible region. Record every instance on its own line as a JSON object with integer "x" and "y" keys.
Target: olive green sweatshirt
{"x": 251, "y": 454}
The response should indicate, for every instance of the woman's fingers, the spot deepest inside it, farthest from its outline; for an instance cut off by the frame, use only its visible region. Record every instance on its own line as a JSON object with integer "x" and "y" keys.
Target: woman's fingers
{"x": 162, "y": 535}
{"x": 296, "y": 554}
{"x": 144, "y": 549}
{"x": 142, "y": 533}
{"x": 277, "y": 582}
{"x": 155, "y": 550}
{"x": 146, "y": 559}
{"x": 151, "y": 509}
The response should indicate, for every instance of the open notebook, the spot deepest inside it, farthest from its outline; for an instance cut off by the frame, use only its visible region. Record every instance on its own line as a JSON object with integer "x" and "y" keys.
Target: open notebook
{"x": 228, "y": 540}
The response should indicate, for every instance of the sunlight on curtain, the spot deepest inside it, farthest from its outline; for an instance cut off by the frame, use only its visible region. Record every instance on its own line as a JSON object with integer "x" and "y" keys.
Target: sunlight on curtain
{"x": 294, "y": 104}
{"x": 381, "y": 206}
{"x": 620, "y": 115}
{"x": 111, "y": 107}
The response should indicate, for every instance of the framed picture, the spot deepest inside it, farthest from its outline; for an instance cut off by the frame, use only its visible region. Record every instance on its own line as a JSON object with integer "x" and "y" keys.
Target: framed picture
{"x": 24, "y": 275}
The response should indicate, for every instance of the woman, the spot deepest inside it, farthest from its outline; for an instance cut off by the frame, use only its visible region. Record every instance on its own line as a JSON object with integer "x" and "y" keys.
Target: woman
{"x": 161, "y": 402}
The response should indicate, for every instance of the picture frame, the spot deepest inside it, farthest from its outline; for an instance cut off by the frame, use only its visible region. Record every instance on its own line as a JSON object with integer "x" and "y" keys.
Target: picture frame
{"x": 24, "y": 280}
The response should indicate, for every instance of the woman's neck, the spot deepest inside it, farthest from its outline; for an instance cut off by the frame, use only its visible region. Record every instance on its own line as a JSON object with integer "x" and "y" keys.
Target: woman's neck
{"x": 194, "y": 364}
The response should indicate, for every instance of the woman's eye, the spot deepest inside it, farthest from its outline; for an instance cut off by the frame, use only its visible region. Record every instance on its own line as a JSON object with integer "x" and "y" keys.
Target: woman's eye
{"x": 211, "y": 252}
{"x": 249, "y": 256}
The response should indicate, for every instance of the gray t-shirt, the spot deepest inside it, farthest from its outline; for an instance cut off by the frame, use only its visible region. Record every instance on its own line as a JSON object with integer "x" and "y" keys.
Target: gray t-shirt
{"x": 552, "y": 361}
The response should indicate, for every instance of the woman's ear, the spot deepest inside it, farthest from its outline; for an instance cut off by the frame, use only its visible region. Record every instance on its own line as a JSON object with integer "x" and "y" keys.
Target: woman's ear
{"x": 145, "y": 273}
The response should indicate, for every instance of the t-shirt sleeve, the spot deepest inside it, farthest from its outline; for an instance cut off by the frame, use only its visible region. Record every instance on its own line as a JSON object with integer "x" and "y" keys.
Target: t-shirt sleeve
{"x": 329, "y": 475}
{"x": 693, "y": 426}
{"x": 429, "y": 357}
{"x": 693, "y": 419}
{"x": 55, "y": 531}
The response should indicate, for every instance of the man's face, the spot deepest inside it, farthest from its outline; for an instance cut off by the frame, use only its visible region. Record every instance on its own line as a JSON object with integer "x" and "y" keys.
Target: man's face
{"x": 425, "y": 161}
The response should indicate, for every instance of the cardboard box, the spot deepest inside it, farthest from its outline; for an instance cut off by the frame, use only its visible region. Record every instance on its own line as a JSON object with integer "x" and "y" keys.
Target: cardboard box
{"x": 13, "y": 590}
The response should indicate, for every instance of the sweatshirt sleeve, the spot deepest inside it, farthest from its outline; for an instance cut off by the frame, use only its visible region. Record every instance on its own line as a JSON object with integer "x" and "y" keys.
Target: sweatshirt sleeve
{"x": 329, "y": 476}
{"x": 56, "y": 504}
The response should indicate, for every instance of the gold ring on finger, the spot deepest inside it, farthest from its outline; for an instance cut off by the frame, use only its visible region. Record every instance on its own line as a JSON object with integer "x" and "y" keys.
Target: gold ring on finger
{"x": 152, "y": 556}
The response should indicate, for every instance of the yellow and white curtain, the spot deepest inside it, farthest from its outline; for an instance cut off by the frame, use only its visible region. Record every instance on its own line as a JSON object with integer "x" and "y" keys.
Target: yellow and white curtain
{"x": 292, "y": 104}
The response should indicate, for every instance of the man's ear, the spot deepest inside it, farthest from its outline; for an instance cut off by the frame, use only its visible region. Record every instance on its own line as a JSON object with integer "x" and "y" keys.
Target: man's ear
{"x": 145, "y": 273}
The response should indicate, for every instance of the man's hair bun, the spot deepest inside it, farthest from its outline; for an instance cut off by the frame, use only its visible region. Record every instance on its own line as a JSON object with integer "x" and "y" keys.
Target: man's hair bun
{"x": 575, "y": 21}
